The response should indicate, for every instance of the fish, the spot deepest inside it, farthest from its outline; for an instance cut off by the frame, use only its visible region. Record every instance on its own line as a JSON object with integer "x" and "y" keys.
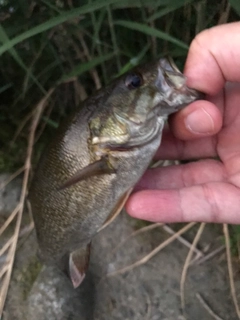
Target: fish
{"x": 97, "y": 156}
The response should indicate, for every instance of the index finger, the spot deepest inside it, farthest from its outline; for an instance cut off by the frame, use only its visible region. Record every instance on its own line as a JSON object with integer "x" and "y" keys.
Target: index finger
{"x": 213, "y": 58}
{"x": 210, "y": 202}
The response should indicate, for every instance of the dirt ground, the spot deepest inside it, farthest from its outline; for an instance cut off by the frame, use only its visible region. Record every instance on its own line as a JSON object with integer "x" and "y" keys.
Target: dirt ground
{"x": 149, "y": 292}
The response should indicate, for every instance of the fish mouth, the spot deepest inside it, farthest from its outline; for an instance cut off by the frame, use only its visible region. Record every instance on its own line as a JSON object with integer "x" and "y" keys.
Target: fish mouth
{"x": 171, "y": 79}
{"x": 170, "y": 76}
{"x": 169, "y": 65}
{"x": 172, "y": 86}
{"x": 173, "y": 64}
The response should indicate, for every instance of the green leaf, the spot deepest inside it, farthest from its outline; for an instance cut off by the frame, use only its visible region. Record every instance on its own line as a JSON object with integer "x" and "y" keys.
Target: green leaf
{"x": 151, "y": 32}
{"x": 84, "y": 67}
{"x": 50, "y": 122}
{"x": 50, "y": 5}
{"x": 171, "y": 6}
{"x": 65, "y": 16}
{"x": 4, "y": 39}
{"x": 236, "y": 5}
{"x": 134, "y": 61}
{"x": 140, "y": 4}
{"x": 4, "y": 88}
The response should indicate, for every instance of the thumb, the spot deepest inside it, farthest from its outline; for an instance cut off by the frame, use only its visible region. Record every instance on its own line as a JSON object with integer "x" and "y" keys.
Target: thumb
{"x": 199, "y": 119}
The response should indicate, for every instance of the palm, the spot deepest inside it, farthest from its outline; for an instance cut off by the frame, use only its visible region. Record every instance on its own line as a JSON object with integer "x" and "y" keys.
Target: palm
{"x": 205, "y": 190}
{"x": 228, "y": 139}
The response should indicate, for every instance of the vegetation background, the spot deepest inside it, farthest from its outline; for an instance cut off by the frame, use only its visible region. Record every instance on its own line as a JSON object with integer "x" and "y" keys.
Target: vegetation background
{"x": 77, "y": 46}
{"x": 54, "y": 53}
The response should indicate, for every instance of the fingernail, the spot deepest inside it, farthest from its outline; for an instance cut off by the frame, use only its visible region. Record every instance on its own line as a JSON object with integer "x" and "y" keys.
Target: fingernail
{"x": 200, "y": 122}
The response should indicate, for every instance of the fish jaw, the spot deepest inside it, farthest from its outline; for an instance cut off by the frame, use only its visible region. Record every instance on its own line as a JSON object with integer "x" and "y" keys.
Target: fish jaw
{"x": 174, "y": 92}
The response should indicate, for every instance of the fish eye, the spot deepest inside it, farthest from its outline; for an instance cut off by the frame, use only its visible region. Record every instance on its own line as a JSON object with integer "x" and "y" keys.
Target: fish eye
{"x": 133, "y": 80}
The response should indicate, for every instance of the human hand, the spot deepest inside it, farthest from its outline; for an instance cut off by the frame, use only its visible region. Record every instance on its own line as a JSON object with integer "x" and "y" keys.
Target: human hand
{"x": 206, "y": 190}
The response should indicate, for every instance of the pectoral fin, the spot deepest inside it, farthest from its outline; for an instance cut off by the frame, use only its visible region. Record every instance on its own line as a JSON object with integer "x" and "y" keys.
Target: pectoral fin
{"x": 99, "y": 167}
{"x": 78, "y": 265}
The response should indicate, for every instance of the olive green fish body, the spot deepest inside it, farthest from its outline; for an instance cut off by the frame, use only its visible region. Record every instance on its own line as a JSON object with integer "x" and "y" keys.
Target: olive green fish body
{"x": 97, "y": 156}
{"x": 72, "y": 216}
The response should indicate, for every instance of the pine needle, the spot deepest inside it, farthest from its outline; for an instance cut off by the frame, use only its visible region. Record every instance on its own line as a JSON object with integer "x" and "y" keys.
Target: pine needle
{"x": 153, "y": 252}
{"x": 187, "y": 263}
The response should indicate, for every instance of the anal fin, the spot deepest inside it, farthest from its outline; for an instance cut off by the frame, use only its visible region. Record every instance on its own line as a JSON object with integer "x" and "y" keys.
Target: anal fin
{"x": 78, "y": 265}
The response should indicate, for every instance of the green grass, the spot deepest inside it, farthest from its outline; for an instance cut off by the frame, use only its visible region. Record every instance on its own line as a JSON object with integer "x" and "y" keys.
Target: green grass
{"x": 235, "y": 240}
{"x": 78, "y": 48}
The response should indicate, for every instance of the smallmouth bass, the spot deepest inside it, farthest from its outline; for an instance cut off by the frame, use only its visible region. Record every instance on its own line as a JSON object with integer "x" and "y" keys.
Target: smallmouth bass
{"x": 97, "y": 156}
